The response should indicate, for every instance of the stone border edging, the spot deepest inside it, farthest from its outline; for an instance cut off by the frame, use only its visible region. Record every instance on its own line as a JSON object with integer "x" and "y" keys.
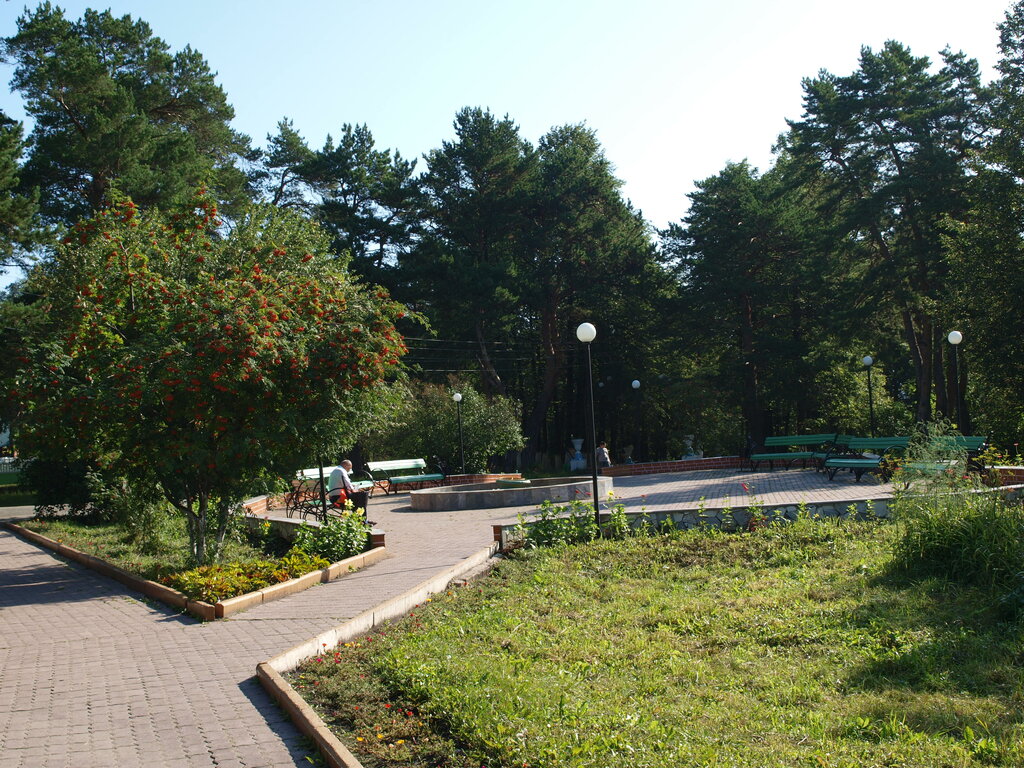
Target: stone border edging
{"x": 202, "y": 610}
{"x": 303, "y": 716}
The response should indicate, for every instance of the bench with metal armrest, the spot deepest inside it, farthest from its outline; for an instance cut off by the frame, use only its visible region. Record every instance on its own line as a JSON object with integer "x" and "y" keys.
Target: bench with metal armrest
{"x": 865, "y": 454}
{"x": 388, "y": 475}
{"x": 811, "y": 445}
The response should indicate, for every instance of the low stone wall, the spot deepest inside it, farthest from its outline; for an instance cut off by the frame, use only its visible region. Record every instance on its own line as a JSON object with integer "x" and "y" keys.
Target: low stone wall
{"x": 486, "y": 478}
{"x": 735, "y": 517}
{"x": 683, "y": 465}
{"x": 1009, "y": 475}
{"x": 490, "y": 496}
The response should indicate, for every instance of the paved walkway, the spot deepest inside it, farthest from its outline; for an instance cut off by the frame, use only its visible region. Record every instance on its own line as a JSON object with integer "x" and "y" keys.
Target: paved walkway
{"x": 93, "y": 675}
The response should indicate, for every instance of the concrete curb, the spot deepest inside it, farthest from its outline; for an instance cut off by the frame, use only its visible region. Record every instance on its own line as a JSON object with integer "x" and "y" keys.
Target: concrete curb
{"x": 303, "y": 716}
{"x": 202, "y": 610}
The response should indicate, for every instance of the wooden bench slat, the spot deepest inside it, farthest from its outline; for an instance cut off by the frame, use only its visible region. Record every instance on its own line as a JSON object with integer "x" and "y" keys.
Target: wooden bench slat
{"x": 806, "y": 442}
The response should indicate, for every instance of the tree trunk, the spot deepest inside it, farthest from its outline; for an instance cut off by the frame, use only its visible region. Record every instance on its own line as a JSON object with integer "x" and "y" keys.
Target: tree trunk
{"x": 554, "y": 369}
{"x": 493, "y": 385}
{"x": 751, "y": 408}
{"x": 943, "y": 396}
{"x": 920, "y": 355}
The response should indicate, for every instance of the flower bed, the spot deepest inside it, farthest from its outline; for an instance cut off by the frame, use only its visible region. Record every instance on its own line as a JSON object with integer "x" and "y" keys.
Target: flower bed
{"x": 213, "y": 591}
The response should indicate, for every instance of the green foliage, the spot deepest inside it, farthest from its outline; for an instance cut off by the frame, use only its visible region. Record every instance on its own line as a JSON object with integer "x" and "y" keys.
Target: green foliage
{"x": 17, "y": 231}
{"x": 112, "y": 108}
{"x": 59, "y": 486}
{"x": 788, "y": 646}
{"x": 555, "y": 524}
{"x": 427, "y": 426}
{"x": 163, "y": 346}
{"x": 966, "y": 537}
{"x": 136, "y": 505}
{"x": 341, "y": 536}
{"x": 871, "y": 137}
{"x": 952, "y": 528}
{"x": 211, "y": 583}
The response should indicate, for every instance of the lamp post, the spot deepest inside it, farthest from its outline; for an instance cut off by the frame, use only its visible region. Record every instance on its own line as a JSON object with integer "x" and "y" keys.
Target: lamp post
{"x": 635, "y": 384}
{"x": 457, "y": 397}
{"x": 954, "y": 338}
{"x": 586, "y": 333}
{"x": 868, "y": 362}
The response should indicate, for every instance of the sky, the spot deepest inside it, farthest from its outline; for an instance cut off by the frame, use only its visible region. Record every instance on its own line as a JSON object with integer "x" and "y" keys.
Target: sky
{"x": 674, "y": 89}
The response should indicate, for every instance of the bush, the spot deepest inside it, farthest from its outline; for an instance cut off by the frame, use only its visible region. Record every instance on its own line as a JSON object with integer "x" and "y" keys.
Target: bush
{"x": 341, "y": 536}
{"x": 59, "y": 486}
{"x": 571, "y": 523}
{"x": 428, "y": 427}
{"x": 137, "y": 507}
{"x": 950, "y": 528}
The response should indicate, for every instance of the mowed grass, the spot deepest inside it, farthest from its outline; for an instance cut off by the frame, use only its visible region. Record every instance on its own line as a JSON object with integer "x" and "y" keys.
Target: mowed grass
{"x": 791, "y": 646}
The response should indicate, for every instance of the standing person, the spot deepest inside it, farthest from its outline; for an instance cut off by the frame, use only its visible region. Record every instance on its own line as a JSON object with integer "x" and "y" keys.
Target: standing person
{"x": 603, "y": 459}
{"x": 340, "y": 488}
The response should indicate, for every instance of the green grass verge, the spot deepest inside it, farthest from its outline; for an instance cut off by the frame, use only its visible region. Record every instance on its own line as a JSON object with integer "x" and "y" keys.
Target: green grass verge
{"x": 791, "y": 646}
{"x": 115, "y": 545}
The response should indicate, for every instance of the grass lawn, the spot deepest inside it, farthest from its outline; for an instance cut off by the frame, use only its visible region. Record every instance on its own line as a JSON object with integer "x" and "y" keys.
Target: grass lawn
{"x": 791, "y": 646}
{"x": 115, "y": 545}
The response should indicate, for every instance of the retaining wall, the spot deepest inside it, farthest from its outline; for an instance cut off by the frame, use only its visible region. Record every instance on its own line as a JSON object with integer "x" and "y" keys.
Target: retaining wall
{"x": 682, "y": 465}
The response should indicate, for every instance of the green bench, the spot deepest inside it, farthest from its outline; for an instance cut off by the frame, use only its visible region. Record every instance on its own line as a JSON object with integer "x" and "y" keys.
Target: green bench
{"x": 836, "y": 448}
{"x": 856, "y": 460}
{"x": 807, "y": 442}
{"x": 388, "y": 475}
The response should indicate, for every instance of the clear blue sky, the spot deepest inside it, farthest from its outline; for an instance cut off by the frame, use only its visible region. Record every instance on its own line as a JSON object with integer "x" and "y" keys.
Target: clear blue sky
{"x": 674, "y": 89}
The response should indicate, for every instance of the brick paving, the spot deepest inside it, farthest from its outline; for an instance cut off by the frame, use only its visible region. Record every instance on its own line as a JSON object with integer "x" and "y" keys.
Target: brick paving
{"x": 93, "y": 675}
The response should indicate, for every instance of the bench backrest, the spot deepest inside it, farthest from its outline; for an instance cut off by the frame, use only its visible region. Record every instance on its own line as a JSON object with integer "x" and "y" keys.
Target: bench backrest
{"x": 396, "y": 465}
{"x": 315, "y": 472}
{"x": 961, "y": 442}
{"x": 877, "y": 444}
{"x": 785, "y": 440}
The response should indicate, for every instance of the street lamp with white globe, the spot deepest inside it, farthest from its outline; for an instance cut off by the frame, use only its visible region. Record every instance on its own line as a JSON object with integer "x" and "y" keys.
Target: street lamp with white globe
{"x": 954, "y": 338}
{"x": 457, "y": 397}
{"x": 586, "y": 333}
{"x": 868, "y": 362}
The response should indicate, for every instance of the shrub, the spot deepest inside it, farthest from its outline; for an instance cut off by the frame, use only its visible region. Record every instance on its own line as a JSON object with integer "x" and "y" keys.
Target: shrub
{"x": 950, "y": 528}
{"x": 571, "y": 523}
{"x": 341, "y": 536}
{"x": 138, "y": 507}
{"x": 428, "y": 427}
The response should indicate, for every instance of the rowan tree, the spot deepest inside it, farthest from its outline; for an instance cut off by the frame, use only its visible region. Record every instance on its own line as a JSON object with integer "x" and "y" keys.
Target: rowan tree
{"x": 165, "y": 346}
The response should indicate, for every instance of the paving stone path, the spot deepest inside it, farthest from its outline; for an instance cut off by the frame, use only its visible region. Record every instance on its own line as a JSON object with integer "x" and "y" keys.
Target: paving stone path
{"x": 92, "y": 675}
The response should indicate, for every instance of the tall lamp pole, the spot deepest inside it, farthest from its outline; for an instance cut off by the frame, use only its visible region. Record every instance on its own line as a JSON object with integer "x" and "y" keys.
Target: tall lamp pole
{"x": 868, "y": 362}
{"x": 954, "y": 338}
{"x": 635, "y": 384}
{"x": 586, "y": 333}
{"x": 457, "y": 397}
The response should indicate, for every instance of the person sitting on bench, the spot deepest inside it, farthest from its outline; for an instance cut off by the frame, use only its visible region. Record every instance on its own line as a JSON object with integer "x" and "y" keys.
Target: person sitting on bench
{"x": 340, "y": 488}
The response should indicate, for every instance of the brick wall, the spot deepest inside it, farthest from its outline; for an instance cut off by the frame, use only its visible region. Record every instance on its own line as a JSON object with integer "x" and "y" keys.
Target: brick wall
{"x": 683, "y": 465}
{"x": 1010, "y": 475}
